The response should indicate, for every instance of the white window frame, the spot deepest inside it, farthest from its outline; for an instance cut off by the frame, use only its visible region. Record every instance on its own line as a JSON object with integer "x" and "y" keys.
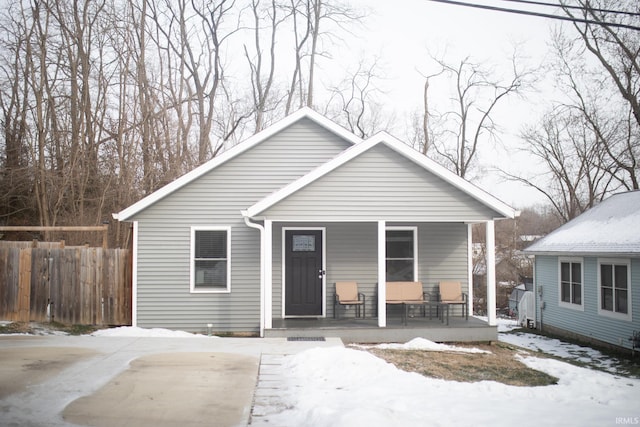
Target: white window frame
{"x": 192, "y": 261}
{"x": 414, "y": 229}
{"x": 613, "y": 314}
{"x": 573, "y": 306}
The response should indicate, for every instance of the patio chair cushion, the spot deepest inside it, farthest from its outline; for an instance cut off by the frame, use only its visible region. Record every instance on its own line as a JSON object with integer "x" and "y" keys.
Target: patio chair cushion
{"x": 451, "y": 292}
{"x": 404, "y": 292}
{"x": 347, "y": 293}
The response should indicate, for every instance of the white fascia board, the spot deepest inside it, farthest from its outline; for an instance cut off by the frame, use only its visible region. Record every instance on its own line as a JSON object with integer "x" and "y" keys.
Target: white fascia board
{"x": 256, "y": 139}
{"x": 401, "y": 148}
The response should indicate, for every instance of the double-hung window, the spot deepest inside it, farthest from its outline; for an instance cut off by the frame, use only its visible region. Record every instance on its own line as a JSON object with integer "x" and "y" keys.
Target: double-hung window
{"x": 613, "y": 287}
{"x": 210, "y": 259}
{"x": 401, "y": 254}
{"x": 571, "y": 283}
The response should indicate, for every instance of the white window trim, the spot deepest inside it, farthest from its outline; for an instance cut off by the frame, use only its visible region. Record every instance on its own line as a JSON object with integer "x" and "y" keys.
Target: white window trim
{"x": 415, "y": 247}
{"x": 192, "y": 262}
{"x": 613, "y": 314}
{"x": 578, "y": 307}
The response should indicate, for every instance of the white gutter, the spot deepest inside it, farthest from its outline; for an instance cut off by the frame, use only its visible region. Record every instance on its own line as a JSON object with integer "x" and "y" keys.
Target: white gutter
{"x": 259, "y": 227}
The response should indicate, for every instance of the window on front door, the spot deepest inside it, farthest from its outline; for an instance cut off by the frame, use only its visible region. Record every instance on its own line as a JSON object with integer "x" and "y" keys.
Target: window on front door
{"x": 401, "y": 254}
{"x": 571, "y": 283}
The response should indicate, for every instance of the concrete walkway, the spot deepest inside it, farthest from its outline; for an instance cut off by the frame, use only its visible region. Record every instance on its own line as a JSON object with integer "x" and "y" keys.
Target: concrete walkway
{"x": 123, "y": 381}
{"x": 268, "y": 390}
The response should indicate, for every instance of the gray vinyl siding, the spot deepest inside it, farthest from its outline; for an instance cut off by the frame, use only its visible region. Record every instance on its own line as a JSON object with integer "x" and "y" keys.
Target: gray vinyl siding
{"x": 587, "y": 323}
{"x": 216, "y": 199}
{"x": 352, "y": 255}
{"x": 380, "y": 184}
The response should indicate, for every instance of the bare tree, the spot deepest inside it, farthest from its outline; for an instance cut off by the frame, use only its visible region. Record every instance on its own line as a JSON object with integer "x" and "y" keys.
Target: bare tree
{"x": 617, "y": 50}
{"x": 354, "y": 101}
{"x": 469, "y": 123}
{"x": 16, "y": 179}
{"x": 262, "y": 85}
{"x": 421, "y": 133}
{"x": 299, "y": 11}
{"x": 574, "y": 177}
{"x": 315, "y": 23}
{"x": 590, "y": 145}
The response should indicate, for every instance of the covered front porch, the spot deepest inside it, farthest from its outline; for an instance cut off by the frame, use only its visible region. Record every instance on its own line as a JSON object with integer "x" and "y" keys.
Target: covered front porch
{"x": 358, "y": 252}
{"x": 355, "y": 330}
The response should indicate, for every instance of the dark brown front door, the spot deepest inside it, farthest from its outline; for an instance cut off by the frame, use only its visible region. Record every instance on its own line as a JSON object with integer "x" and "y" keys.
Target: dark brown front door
{"x": 303, "y": 273}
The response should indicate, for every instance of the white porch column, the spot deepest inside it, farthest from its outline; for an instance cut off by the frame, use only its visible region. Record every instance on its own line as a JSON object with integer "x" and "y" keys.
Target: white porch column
{"x": 491, "y": 272}
{"x": 470, "y": 267}
{"x": 382, "y": 274}
{"x": 268, "y": 274}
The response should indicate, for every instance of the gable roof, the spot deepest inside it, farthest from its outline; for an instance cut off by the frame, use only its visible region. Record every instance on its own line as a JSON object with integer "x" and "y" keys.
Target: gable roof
{"x": 612, "y": 227}
{"x": 303, "y": 113}
{"x": 399, "y": 147}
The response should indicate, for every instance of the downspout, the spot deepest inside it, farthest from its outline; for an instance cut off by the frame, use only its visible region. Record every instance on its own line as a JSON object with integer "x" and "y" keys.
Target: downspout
{"x": 259, "y": 227}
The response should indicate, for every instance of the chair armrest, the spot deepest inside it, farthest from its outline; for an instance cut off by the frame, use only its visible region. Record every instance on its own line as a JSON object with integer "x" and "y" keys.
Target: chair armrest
{"x": 361, "y": 295}
{"x": 426, "y": 296}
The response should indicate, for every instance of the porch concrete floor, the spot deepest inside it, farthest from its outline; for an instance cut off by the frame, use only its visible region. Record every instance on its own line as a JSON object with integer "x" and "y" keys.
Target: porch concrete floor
{"x": 352, "y": 330}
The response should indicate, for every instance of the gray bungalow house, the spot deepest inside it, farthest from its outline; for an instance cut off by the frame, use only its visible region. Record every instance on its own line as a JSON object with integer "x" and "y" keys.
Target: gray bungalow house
{"x": 587, "y": 274}
{"x": 259, "y": 235}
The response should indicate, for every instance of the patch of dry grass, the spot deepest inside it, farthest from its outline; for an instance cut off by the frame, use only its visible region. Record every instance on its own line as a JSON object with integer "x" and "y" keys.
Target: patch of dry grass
{"x": 499, "y": 365}
{"x": 35, "y": 328}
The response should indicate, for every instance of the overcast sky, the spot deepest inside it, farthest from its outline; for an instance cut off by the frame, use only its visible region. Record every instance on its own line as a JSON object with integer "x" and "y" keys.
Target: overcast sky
{"x": 402, "y": 34}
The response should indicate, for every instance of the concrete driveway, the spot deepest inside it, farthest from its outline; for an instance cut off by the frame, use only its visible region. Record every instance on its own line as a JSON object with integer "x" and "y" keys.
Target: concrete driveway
{"x": 125, "y": 381}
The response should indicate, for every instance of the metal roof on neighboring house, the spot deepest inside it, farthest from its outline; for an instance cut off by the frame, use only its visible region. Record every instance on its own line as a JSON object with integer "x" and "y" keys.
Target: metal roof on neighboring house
{"x": 611, "y": 227}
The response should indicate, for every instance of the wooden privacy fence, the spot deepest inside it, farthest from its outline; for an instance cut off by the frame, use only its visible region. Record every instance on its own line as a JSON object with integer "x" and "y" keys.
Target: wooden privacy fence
{"x": 76, "y": 285}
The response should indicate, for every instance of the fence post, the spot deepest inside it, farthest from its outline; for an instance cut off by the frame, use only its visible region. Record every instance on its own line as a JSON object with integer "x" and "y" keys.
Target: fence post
{"x": 105, "y": 236}
{"x": 24, "y": 285}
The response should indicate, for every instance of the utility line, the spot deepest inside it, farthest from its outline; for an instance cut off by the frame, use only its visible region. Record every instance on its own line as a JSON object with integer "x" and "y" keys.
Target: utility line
{"x": 566, "y": 6}
{"x": 540, "y": 15}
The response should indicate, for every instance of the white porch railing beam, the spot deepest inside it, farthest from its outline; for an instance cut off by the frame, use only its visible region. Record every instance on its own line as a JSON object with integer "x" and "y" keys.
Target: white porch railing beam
{"x": 491, "y": 272}
{"x": 382, "y": 274}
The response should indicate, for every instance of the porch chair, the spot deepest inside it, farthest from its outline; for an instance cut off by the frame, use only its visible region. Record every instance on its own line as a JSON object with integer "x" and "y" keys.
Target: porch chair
{"x": 347, "y": 294}
{"x": 451, "y": 294}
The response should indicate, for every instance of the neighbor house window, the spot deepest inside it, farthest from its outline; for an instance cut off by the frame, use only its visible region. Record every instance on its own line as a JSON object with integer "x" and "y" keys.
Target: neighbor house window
{"x": 210, "y": 263}
{"x": 614, "y": 291}
{"x": 401, "y": 254}
{"x": 571, "y": 283}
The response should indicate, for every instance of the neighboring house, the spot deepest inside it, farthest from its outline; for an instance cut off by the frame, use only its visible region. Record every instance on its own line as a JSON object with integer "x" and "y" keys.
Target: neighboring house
{"x": 587, "y": 273}
{"x": 263, "y": 231}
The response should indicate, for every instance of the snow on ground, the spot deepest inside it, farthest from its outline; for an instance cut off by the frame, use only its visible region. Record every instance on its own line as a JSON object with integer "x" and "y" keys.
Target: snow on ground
{"x": 555, "y": 347}
{"x": 426, "y": 345}
{"x": 344, "y": 387}
{"x": 133, "y": 331}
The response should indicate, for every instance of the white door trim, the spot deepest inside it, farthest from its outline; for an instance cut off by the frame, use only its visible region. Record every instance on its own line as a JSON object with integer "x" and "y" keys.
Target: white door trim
{"x": 324, "y": 267}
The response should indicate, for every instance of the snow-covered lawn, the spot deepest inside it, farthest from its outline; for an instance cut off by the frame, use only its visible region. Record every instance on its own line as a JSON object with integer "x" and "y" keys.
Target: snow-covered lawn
{"x": 348, "y": 387}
